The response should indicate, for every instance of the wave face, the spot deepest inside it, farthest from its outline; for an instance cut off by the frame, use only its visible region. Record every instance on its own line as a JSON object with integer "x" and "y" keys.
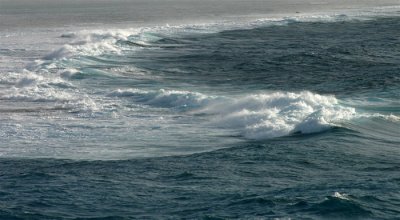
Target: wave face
{"x": 285, "y": 118}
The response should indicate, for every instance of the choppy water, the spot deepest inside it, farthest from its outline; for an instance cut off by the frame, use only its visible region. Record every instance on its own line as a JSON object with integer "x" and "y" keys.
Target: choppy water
{"x": 295, "y": 117}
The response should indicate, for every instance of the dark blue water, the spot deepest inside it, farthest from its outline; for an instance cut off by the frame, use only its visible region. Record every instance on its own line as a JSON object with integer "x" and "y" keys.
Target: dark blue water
{"x": 339, "y": 58}
{"x": 332, "y": 151}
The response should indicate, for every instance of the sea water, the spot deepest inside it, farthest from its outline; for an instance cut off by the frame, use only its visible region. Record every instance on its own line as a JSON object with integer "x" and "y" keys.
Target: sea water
{"x": 280, "y": 111}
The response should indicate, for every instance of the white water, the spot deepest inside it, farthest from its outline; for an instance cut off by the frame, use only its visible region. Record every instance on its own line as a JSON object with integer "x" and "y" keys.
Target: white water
{"x": 46, "y": 112}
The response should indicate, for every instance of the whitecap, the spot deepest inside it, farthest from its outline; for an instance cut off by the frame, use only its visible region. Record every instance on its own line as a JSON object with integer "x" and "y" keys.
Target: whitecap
{"x": 255, "y": 116}
{"x": 341, "y": 196}
{"x": 269, "y": 115}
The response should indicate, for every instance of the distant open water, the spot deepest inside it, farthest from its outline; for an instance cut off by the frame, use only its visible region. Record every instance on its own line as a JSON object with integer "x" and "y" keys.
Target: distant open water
{"x": 279, "y": 119}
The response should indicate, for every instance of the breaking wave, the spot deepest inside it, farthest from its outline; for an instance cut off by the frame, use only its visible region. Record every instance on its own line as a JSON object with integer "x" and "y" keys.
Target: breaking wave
{"x": 255, "y": 116}
{"x": 116, "y": 41}
{"x": 104, "y": 72}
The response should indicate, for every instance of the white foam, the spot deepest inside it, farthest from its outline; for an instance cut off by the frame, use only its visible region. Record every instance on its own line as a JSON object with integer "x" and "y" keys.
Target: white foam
{"x": 126, "y": 93}
{"x": 91, "y": 43}
{"x": 174, "y": 98}
{"x": 165, "y": 98}
{"x": 47, "y": 88}
{"x": 36, "y": 94}
{"x": 392, "y": 118}
{"x": 276, "y": 114}
{"x": 67, "y": 99}
{"x": 29, "y": 79}
{"x": 341, "y": 196}
{"x": 84, "y": 48}
{"x": 255, "y": 116}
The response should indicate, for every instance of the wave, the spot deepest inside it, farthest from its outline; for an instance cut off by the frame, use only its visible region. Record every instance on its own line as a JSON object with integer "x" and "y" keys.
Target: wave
{"x": 48, "y": 88}
{"x": 116, "y": 41}
{"x": 255, "y": 116}
{"x": 266, "y": 115}
{"x": 263, "y": 116}
{"x": 340, "y": 206}
{"x": 166, "y": 98}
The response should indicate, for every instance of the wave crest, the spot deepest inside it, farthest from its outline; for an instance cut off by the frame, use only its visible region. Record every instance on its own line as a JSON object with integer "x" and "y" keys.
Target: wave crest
{"x": 115, "y": 41}
{"x": 264, "y": 116}
{"x": 255, "y": 116}
{"x": 165, "y": 98}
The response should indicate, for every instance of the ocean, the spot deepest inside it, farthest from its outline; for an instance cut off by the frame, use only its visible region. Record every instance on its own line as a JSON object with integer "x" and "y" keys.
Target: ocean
{"x": 199, "y": 110}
